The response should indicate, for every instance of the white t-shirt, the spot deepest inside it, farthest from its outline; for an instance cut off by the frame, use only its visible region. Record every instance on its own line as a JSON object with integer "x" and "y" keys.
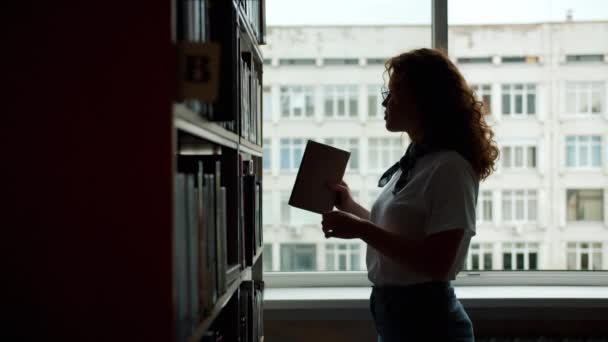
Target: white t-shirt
{"x": 440, "y": 195}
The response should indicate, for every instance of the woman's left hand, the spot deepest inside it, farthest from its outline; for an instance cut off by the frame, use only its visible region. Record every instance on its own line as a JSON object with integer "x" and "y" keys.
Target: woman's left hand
{"x": 341, "y": 224}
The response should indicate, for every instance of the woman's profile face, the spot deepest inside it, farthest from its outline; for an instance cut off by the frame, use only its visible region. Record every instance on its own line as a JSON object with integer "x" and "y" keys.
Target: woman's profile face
{"x": 400, "y": 113}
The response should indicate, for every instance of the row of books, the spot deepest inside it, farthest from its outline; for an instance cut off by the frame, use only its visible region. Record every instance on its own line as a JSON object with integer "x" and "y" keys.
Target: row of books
{"x": 251, "y": 213}
{"x": 200, "y": 243}
{"x": 200, "y": 21}
{"x": 251, "y": 100}
{"x": 252, "y": 311}
{"x": 253, "y": 10}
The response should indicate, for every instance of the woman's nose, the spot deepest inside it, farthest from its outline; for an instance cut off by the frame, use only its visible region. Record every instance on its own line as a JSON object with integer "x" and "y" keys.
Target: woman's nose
{"x": 385, "y": 102}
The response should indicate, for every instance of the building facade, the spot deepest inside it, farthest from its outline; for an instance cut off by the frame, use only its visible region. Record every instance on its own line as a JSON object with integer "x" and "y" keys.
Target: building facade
{"x": 545, "y": 89}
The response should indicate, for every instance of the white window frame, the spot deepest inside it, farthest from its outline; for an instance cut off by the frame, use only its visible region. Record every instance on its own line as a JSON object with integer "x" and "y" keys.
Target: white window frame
{"x": 480, "y": 249}
{"x": 576, "y": 249}
{"x": 341, "y": 92}
{"x": 267, "y": 103}
{"x": 439, "y": 30}
{"x": 385, "y": 150}
{"x": 512, "y": 91}
{"x": 485, "y": 196}
{"x": 512, "y": 156}
{"x": 300, "y": 94}
{"x": 481, "y": 91}
{"x": 602, "y": 205}
{"x": 523, "y": 195}
{"x": 333, "y": 249}
{"x": 267, "y": 155}
{"x": 584, "y": 91}
{"x": 520, "y": 247}
{"x": 375, "y": 91}
{"x": 592, "y": 141}
{"x": 292, "y": 145}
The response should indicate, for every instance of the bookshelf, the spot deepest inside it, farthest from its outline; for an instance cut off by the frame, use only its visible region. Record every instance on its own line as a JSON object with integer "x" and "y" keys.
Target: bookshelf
{"x": 99, "y": 151}
{"x": 218, "y": 282}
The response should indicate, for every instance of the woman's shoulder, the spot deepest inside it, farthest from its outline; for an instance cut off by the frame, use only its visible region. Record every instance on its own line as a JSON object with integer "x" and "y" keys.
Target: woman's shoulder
{"x": 451, "y": 162}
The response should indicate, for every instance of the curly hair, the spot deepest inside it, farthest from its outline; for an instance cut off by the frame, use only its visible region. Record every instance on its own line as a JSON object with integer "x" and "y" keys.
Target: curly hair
{"x": 449, "y": 114}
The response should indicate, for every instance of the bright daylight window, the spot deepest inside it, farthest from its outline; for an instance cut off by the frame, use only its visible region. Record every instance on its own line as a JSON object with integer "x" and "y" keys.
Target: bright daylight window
{"x": 541, "y": 75}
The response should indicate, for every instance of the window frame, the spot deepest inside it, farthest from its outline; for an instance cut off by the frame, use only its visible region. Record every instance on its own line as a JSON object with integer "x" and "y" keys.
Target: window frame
{"x": 586, "y": 89}
{"x": 593, "y": 140}
{"x": 512, "y": 90}
{"x": 439, "y": 29}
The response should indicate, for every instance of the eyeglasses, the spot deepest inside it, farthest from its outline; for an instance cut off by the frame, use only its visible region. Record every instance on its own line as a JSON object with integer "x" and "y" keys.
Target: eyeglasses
{"x": 385, "y": 93}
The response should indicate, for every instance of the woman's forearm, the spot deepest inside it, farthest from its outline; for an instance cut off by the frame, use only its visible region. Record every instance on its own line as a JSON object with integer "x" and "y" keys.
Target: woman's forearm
{"x": 359, "y": 211}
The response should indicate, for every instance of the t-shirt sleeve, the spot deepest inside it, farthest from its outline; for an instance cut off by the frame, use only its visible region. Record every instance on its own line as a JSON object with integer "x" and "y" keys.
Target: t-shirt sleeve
{"x": 451, "y": 198}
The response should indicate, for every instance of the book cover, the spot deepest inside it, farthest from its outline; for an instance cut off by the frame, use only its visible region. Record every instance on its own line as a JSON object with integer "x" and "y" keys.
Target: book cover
{"x": 320, "y": 164}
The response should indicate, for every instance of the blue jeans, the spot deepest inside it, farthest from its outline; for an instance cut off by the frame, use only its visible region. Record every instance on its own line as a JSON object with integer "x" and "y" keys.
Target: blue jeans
{"x": 420, "y": 312}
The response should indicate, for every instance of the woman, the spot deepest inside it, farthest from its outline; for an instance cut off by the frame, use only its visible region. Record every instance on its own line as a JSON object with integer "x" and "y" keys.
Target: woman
{"x": 419, "y": 228}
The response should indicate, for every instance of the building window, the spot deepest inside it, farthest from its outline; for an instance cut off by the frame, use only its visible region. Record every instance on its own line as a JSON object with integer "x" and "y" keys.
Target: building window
{"x": 268, "y": 213}
{"x": 297, "y": 102}
{"x": 520, "y": 59}
{"x": 584, "y": 151}
{"x": 483, "y": 93}
{"x": 374, "y": 103}
{"x": 297, "y": 61}
{"x": 518, "y": 100}
{"x": 520, "y": 256}
{"x": 343, "y": 257}
{"x": 267, "y": 155}
{"x": 298, "y": 257}
{"x": 383, "y": 153}
{"x": 285, "y": 208}
{"x": 519, "y": 206}
{"x": 585, "y": 98}
{"x": 291, "y": 153}
{"x": 340, "y": 61}
{"x": 267, "y": 110}
{"x": 585, "y": 205}
{"x": 479, "y": 257}
{"x": 584, "y": 58}
{"x": 584, "y": 256}
{"x": 474, "y": 60}
{"x": 347, "y": 144}
{"x": 267, "y": 256}
{"x": 341, "y": 101}
{"x": 295, "y": 217}
{"x": 521, "y": 156}
{"x": 484, "y": 207}
{"x": 267, "y": 61}
{"x": 376, "y": 61}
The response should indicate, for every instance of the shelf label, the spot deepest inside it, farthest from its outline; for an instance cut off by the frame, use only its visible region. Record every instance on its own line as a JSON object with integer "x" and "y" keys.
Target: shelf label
{"x": 199, "y": 68}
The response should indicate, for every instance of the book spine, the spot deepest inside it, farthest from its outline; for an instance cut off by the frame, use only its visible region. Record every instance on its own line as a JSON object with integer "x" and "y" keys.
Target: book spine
{"x": 222, "y": 244}
{"x": 192, "y": 226}
{"x": 180, "y": 287}
{"x": 211, "y": 241}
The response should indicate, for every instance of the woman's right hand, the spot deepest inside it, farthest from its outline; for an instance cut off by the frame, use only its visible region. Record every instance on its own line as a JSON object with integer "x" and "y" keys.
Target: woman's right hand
{"x": 344, "y": 199}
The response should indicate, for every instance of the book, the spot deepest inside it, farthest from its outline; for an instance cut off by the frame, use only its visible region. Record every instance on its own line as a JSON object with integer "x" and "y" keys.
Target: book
{"x": 180, "y": 256}
{"x": 222, "y": 260}
{"x": 320, "y": 164}
{"x": 193, "y": 216}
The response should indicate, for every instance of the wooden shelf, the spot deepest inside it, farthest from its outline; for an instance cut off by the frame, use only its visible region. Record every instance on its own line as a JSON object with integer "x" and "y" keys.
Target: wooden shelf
{"x": 251, "y": 148}
{"x": 188, "y": 121}
{"x": 256, "y": 257}
{"x": 245, "y": 23}
{"x": 204, "y": 325}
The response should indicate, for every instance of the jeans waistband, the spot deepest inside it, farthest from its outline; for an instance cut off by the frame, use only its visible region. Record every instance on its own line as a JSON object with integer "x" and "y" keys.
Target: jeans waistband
{"x": 427, "y": 286}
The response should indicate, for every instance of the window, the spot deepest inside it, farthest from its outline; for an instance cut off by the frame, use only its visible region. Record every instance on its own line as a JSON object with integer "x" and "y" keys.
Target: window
{"x": 519, "y": 206}
{"x": 285, "y": 208}
{"x": 291, "y": 153}
{"x": 374, "y": 102}
{"x": 479, "y": 257}
{"x": 343, "y": 257}
{"x": 297, "y": 102}
{"x": 267, "y": 112}
{"x": 584, "y": 58}
{"x": 341, "y": 61}
{"x": 347, "y": 144}
{"x": 298, "y": 257}
{"x": 474, "y": 60}
{"x": 297, "y": 61}
{"x": 267, "y": 156}
{"x": 295, "y": 217}
{"x": 341, "y": 101}
{"x": 584, "y": 256}
{"x": 376, "y": 61}
{"x": 585, "y": 205}
{"x": 484, "y": 207}
{"x": 520, "y": 256}
{"x": 520, "y": 59}
{"x": 518, "y": 100}
{"x": 267, "y": 256}
{"x": 383, "y": 153}
{"x": 521, "y": 156}
{"x": 583, "y": 151}
{"x": 585, "y": 98}
{"x": 483, "y": 93}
